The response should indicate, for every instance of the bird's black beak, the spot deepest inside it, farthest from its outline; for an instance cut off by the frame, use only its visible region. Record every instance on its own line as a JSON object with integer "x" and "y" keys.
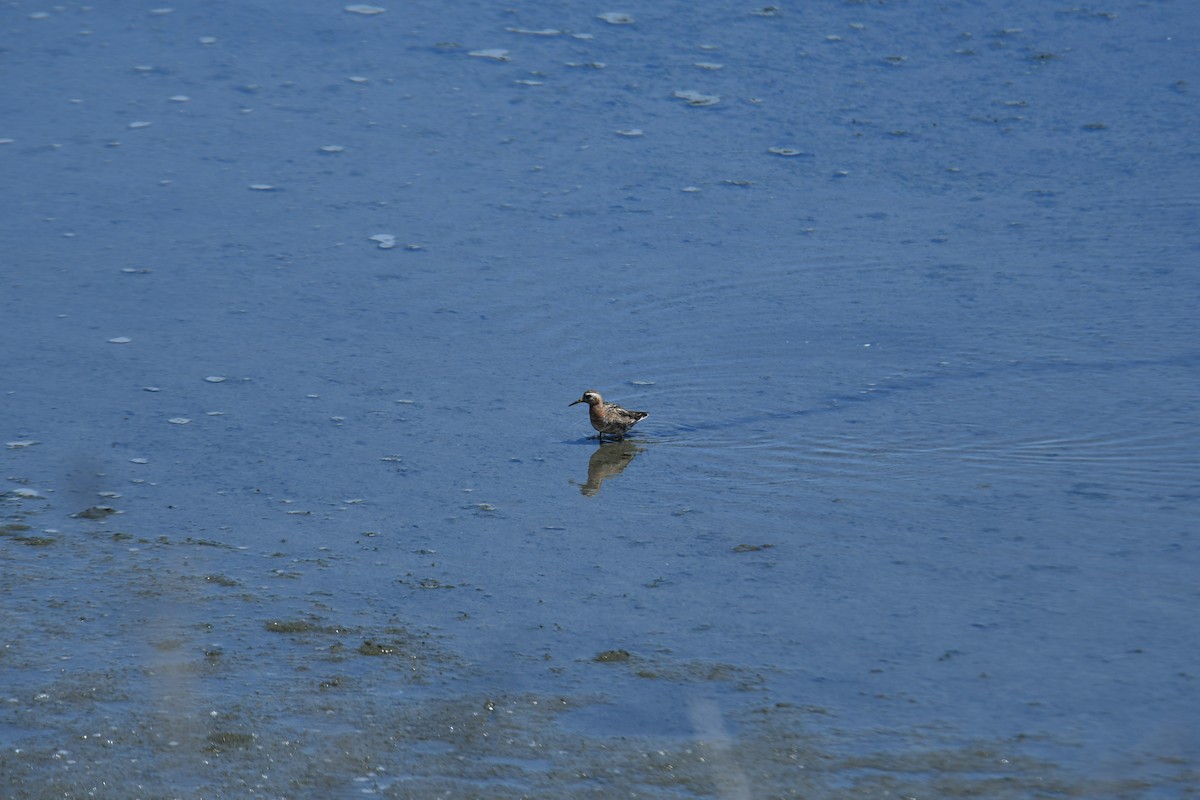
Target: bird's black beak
{"x": 580, "y": 400}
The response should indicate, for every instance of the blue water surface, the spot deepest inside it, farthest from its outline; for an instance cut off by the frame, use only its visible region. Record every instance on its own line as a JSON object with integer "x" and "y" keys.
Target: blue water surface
{"x": 297, "y": 295}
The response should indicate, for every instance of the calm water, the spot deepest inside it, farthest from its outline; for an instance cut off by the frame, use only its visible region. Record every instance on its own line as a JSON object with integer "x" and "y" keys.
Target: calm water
{"x": 909, "y": 293}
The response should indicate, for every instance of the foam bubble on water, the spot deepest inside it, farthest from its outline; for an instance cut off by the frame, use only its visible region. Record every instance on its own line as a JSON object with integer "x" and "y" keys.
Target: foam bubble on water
{"x": 495, "y": 54}
{"x": 20, "y": 445}
{"x": 365, "y": 9}
{"x": 542, "y": 32}
{"x": 386, "y": 240}
{"x": 616, "y": 18}
{"x": 179, "y": 421}
{"x": 120, "y": 340}
{"x": 694, "y": 98}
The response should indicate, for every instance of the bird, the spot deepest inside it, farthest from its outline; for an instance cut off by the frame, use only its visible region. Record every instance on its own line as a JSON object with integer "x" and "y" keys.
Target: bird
{"x": 609, "y": 418}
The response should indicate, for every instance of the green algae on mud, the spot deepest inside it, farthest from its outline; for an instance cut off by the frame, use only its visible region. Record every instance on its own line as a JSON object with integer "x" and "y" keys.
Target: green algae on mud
{"x": 402, "y": 716}
{"x": 16, "y": 532}
{"x": 505, "y": 745}
{"x": 220, "y": 741}
{"x": 289, "y": 626}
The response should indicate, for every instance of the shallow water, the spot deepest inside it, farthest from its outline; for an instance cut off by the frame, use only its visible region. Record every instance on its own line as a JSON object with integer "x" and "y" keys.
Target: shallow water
{"x": 914, "y": 508}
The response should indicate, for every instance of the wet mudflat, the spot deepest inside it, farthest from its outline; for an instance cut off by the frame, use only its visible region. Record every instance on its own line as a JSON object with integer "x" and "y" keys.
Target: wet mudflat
{"x": 293, "y": 504}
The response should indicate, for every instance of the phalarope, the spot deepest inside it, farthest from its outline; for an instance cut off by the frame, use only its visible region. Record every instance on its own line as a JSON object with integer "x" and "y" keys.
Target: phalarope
{"x": 609, "y": 418}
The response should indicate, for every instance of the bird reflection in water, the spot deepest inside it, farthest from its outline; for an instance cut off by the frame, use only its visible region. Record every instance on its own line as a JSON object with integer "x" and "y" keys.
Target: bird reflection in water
{"x": 609, "y": 460}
